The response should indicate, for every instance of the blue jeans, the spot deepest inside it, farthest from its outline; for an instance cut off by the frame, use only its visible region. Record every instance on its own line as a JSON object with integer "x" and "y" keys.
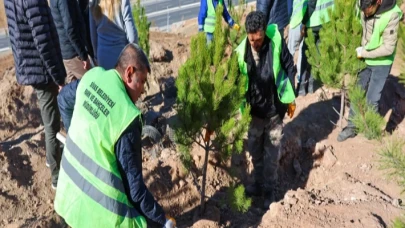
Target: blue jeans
{"x": 210, "y": 37}
{"x": 372, "y": 80}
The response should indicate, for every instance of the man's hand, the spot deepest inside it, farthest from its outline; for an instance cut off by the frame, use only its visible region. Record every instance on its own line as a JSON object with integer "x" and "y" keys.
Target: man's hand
{"x": 236, "y": 27}
{"x": 358, "y": 51}
{"x": 86, "y": 64}
{"x": 291, "y": 109}
{"x": 170, "y": 222}
{"x": 60, "y": 88}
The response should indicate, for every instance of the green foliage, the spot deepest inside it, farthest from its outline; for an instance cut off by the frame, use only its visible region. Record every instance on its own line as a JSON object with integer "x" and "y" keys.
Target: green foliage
{"x": 399, "y": 223}
{"x": 210, "y": 92}
{"x": 142, "y": 25}
{"x": 236, "y": 37}
{"x": 237, "y": 199}
{"x": 337, "y": 51}
{"x": 399, "y": 2}
{"x": 366, "y": 119}
{"x": 393, "y": 159}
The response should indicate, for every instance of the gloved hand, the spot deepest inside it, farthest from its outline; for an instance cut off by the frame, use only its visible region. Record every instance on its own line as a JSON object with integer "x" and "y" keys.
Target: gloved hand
{"x": 358, "y": 51}
{"x": 291, "y": 109}
{"x": 170, "y": 222}
{"x": 200, "y": 28}
{"x": 236, "y": 27}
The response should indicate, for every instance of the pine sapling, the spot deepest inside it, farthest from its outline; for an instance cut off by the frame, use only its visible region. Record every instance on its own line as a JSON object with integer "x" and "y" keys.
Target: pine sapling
{"x": 142, "y": 25}
{"x": 334, "y": 61}
{"x": 210, "y": 91}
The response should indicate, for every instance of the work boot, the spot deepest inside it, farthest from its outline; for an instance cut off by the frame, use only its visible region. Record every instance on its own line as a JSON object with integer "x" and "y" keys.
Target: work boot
{"x": 269, "y": 198}
{"x": 254, "y": 189}
{"x": 347, "y": 132}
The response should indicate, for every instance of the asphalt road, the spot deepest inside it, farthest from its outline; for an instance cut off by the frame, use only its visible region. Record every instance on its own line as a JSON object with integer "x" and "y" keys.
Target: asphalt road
{"x": 4, "y": 42}
{"x": 177, "y": 14}
{"x": 161, "y": 12}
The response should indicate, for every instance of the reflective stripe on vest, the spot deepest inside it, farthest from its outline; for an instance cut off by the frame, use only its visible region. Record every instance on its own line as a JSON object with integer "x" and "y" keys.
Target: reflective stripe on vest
{"x": 299, "y": 9}
{"x": 376, "y": 39}
{"x": 285, "y": 90}
{"x": 90, "y": 190}
{"x": 320, "y": 14}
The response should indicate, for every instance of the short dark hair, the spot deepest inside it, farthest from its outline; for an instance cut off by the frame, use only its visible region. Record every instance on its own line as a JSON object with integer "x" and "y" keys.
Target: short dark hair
{"x": 255, "y": 21}
{"x": 132, "y": 54}
{"x": 364, "y": 4}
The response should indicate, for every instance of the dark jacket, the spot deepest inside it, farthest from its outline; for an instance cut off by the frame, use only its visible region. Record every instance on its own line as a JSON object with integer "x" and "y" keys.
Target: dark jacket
{"x": 276, "y": 11}
{"x": 35, "y": 42}
{"x": 85, "y": 10}
{"x": 262, "y": 92}
{"x": 128, "y": 152}
{"x": 71, "y": 28}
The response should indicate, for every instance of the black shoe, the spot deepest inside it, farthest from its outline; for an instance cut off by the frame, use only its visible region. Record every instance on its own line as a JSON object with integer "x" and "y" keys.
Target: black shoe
{"x": 347, "y": 132}
{"x": 254, "y": 189}
{"x": 269, "y": 198}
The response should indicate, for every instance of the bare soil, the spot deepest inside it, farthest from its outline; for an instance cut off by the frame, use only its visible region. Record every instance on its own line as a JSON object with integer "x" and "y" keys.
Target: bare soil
{"x": 323, "y": 183}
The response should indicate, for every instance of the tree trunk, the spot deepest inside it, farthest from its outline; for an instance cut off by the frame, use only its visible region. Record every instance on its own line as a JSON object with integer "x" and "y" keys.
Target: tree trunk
{"x": 204, "y": 180}
{"x": 342, "y": 107}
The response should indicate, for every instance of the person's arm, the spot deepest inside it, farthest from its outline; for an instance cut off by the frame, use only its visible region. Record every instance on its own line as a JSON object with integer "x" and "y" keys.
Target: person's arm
{"x": 46, "y": 38}
{"x": 69, "y": 14}
{"x": 265, "y": 6}
{"x": 390, "y": 38}
{"x": 129, "y": 155}
{"x": 202, "y": 14}
{"x": 66, "y": 102}
{"x": 287, "y": 62}
{"x": 227, "y": 17}
{"x": 93, "y": 34}
{"x": 132, "y": 33}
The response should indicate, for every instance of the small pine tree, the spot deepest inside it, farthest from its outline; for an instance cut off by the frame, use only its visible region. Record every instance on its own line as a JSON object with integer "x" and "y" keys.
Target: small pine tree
{"x": 366, "y": 119}
{"x": 393, "y": 159}
{"x": 393, "y": 153}
{"x": 236, "y": 37}
{"x": 210, "y": 91}
{"x": 142, "y": 25}
{"x": 237, "y": 198}
{"x": 336, "y": 64}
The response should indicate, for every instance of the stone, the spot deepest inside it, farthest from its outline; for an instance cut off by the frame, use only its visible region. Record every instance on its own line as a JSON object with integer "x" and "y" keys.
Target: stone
{"x": 329, "y": 159}
{"x": 290, "y": 199}
{"x": 276, "y": 209}
{"x": 396, "y": 202}
{"x": 165, "y": 153}
{"x": 181, "y": 183}
{"x": 365, "y": 167}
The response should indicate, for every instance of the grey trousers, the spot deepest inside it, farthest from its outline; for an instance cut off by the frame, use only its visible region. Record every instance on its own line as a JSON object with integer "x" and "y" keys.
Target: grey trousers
{"x": 372, "y": 80}
{"x": 48, "y": 105}
{"x": 264, "y": 137}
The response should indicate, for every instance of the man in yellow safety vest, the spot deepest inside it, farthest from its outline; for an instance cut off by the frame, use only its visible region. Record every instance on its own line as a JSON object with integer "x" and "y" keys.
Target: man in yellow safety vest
{"x": 100, "y": 180}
